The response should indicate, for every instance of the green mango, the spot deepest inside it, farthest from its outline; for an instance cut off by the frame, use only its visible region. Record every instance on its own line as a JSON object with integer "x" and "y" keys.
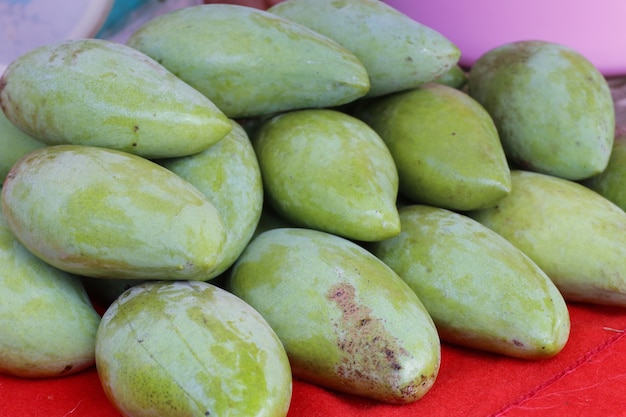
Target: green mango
{"x": 553, "y": 109}
{"x": 611, "y": 183}
{"x": 444, "y": 144}
{"x": 228, "y": 174}
{"x": 347, "y": 321}
{"x": 189, "y": 348}
{"x": 397, "y": 51}
{"x": 455, "y": 77}
{"x": 481, "y": 291}
{"x": 47, "y": 323}
{"x": 101, "y": 93}
{"x": 326, "y": 170}
{"x": 575, "y": 235}
{"x": 14, "y": 144}
{"x": 251, "y": 62}
{"x": 99, "y": 212}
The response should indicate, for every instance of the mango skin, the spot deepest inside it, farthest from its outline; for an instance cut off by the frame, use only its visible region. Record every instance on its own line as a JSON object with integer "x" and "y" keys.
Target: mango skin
{"x": 398, "y": 52}
{"x": 576, "y": 236}
{"x": 47, "y": 322}
{"x": 103, "y": 213}
{"x": 250, "y": 62}
{"x": 444, "y": 144}
{"x": 228, "y": 174}
{"x": 347, "y": 321}
{"x": 480, "y": 290}
{"x": 325, "y": 170}
{"x": 181, "y": 348}
{"x": 456, "y": 77}
{"x": 101, "y": 93}
{"x": 611, "y": 183}
{"x": 14, "y": 144}
{"x": 553, "y": 109}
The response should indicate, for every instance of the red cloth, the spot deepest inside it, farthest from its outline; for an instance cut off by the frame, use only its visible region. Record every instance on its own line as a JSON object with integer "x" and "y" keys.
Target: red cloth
{"x": 588, "y": 378}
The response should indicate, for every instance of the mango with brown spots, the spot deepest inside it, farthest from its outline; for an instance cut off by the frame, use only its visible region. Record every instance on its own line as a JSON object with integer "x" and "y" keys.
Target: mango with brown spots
{"x": 347, "y": 321}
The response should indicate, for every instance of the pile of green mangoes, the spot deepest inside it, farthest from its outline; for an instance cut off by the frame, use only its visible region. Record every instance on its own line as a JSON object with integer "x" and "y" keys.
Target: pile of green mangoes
{"x": 317, "y": 190}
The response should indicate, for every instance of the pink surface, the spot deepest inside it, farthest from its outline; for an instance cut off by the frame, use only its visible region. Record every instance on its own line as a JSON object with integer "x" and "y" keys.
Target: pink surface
{"x": 595, "y": 29}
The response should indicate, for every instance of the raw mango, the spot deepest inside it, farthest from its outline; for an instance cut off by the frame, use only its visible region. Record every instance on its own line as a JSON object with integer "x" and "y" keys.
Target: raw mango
{"x": 190, "y": 349}
{"x": 611, "y": 183}
{"x": 398, "y": 52}
{"x": 251, "y": 62}
{"x": 100, "y": 93}
{"x": 480, "y": 290}
{"x": 47, "y": 323}
{"x": 444, "y": 144}
{"x": 14, "y": 144}
{"x": 104, "y": 213}
{"x": 347, "y": 321}
{"x": 552, "y": 107}
{"x": 455, "y": 77}
{"x": 576, "y": 236}
{"x": 228, "y": 174}
{"x": 328, "y": 171}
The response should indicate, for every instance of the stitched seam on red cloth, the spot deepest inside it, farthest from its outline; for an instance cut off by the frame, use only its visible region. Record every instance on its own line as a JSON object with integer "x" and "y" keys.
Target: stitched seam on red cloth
{"x": 582, "y": 360}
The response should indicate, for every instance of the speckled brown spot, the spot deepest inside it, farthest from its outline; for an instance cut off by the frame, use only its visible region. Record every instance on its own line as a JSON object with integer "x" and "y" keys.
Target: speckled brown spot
{"x": 370, "y": 356}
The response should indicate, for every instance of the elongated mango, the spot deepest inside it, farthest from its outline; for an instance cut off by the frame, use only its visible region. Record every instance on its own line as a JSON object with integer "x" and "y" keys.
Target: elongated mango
{"x": 444, "y": 144}
{"x": 181, "y": 349}
{"x": 398, "y": 52}
{"x": 250, "y": 62}
{"x": 101, "y": 93}
{"x": 329, "y": 171}
{"x": 228, "y": 174}
{"x": 552, "y": 107}
{"x": 481, "y": 291}
{"x": 574, "y": 234}
{"x": 99, "y": 212}
{"x": 347, "y": 321}
{"x": 47, "y": 323}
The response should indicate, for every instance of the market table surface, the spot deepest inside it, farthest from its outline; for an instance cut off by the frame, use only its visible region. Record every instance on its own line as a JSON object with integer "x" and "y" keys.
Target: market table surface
{"x": 586, "y": 379}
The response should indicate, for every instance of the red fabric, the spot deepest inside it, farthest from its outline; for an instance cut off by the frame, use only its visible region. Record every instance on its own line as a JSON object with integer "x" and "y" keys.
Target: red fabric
{"x": 588, "y": 378}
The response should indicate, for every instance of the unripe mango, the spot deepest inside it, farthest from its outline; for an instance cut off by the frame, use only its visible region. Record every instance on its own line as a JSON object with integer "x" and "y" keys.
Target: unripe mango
{"x": 228, "y": 174}
{"x": 398, "y": 52}
{"x": 481, "y": 291}
{"x": 180, "y": 349}
{"x": 250, "y": 62}
{"x": 47, "y": 323}
{"x": 101, "y": 93}
{"x": 444, "y": 144}
{"x": 611, "y": 183}
{"x": 575, "y": 235}
{"x": 347, "y": 321}
{"x": 99, "y": 212}
{"x": 326, "y": 170}
{"x": 553, "y": 109}
{"x": 14, "y": 144}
